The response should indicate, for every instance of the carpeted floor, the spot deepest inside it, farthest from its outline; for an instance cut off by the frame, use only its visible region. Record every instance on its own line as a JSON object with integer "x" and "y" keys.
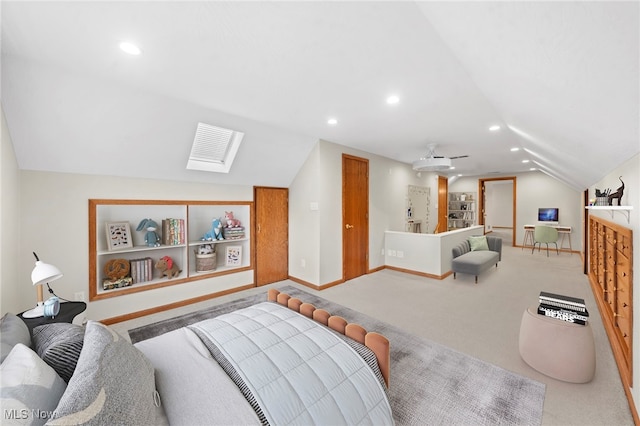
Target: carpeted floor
{"x": 430, "y": 383}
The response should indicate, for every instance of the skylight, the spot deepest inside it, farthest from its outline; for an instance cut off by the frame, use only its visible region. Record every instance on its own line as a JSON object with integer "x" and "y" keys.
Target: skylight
{"x": 214, "y": 148}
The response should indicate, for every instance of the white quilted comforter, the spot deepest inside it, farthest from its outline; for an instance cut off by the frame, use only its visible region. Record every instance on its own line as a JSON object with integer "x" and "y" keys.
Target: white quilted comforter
{"x": 294, "y": 370}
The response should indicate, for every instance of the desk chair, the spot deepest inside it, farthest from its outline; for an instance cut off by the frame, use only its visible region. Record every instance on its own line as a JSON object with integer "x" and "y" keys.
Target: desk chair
{"x": 545, "y": 234}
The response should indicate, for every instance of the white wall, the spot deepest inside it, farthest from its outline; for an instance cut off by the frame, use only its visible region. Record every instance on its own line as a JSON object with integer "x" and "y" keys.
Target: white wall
{"x": 54, "y": 220}
{"x": 534, "y": 190}
{"x": 630, "y": 172}
{"x": 13, "y": 285}
{"x": 52, "y": 202}
{"x": 320, "y": 179}
{"x": 304, "y": 222}
{"x": 499, "y": 204}
{"x": 429, "y": 254}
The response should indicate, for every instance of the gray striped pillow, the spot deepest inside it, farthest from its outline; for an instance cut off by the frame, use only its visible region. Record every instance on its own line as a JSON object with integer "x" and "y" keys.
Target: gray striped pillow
{"x": 59, "y": 345}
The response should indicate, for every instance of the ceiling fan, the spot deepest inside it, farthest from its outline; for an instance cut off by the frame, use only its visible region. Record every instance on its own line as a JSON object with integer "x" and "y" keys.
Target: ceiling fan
{"x": 433, "y": 162}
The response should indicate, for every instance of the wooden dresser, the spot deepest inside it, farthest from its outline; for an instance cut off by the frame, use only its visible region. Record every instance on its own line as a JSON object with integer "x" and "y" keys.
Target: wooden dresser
{"x": 610, "y": 275}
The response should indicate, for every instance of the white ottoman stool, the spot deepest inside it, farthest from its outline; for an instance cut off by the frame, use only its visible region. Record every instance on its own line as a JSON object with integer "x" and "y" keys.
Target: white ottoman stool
{"x": 559, "y": 349}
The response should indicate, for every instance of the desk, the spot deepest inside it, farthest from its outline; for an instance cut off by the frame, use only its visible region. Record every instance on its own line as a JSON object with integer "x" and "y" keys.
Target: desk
{"x": 563, "y": 232}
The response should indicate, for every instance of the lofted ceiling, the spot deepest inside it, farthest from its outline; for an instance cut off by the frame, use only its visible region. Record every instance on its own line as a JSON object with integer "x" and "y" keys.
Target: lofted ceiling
{"x": 560, "y": 78}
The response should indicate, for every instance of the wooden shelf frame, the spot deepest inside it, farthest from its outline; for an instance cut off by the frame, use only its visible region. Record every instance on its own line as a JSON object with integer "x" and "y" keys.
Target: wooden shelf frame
{"x": 187, "y": 275}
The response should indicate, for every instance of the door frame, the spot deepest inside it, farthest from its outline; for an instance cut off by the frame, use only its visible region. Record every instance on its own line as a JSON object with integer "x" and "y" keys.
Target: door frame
{"x": 481, "y": 202}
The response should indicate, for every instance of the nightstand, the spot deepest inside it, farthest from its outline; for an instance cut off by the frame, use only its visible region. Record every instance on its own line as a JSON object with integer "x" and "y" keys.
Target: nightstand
{"x": 68, "y": 311}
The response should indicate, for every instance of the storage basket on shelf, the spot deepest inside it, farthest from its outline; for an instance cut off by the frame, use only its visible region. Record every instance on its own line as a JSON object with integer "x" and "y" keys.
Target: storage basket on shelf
{"x": 206, "y": 262}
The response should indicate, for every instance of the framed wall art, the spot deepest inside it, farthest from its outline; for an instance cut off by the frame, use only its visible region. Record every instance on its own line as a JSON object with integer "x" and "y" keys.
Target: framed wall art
{"x": 234, "y": 256}
{"x": 118, "y": 235}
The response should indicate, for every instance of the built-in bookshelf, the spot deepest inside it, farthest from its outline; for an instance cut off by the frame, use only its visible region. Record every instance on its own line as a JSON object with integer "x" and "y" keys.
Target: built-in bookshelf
{"x": 187, "y": 223}
{"x": 462, "y": 210}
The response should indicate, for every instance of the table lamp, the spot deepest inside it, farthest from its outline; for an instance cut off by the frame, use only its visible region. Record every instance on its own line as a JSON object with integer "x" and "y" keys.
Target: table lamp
{"x": 42, "y": 273}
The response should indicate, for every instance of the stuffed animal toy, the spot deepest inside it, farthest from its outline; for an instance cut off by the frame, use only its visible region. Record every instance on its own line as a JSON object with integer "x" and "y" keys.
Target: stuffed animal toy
{"x": 206, "y": 249}
{"x": 231, "y": 221}
{"x": 215, "y": 233}
{"x": 168, "y": 268}
{"x": 116, "y": 269}
{"x": 151, "y": 237}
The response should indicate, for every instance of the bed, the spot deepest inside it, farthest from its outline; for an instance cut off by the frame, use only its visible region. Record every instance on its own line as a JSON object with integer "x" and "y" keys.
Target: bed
{"x": 281, "y": 361}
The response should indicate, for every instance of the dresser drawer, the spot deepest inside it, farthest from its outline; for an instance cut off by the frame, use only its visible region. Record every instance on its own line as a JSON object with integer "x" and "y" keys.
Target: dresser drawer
{"x": 623, "y": 323}
{"x": 623, "y": 244}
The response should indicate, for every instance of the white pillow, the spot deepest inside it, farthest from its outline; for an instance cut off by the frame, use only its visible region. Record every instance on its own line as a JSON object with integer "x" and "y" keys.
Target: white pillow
{"x": 29, "y": 388}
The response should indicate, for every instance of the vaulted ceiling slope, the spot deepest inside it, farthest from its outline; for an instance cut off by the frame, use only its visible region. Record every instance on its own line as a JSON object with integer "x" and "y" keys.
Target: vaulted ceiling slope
{"x": 560, "y": 78}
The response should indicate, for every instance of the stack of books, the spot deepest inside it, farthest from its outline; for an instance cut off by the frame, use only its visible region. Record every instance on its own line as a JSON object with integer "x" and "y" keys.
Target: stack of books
{"x": 141, "y": 270}
{"x": 565, "y": 308}
{"x": 173, "y": 232}
{"x": 233, "y": 233}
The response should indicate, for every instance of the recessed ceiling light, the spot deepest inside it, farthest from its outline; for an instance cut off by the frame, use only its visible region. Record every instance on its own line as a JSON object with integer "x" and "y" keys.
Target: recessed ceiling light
{"x": 452, "y": 168}
{"x": 494, "y": 128}
{"x": 525, "y": 161}
{"x": 532, "y": 168}
{"x": 130, "y": 48}
{"x": 515, "y": 149}
{"x": 393, "y": 99}
{"x": 332, "y": 122}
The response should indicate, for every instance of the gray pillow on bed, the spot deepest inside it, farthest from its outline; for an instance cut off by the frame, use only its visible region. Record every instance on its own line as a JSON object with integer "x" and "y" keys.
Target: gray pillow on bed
{"x": 29, "y": 388}
{"x": 59, "y": 345}
{"x": 113, "y": 383}
{"x": 12, "y": 331}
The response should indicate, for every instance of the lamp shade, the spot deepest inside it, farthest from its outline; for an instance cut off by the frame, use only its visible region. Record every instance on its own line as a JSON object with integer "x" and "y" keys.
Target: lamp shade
{"x": 44, "y": 272}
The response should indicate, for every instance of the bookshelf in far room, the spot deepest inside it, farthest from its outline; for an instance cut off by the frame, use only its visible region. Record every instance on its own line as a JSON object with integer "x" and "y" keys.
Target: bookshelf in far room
{"x": 462, "y": 210}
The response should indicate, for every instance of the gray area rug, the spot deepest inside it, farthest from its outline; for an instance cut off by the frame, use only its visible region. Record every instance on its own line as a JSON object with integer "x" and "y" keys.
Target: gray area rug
{"x": 430, "y": 383}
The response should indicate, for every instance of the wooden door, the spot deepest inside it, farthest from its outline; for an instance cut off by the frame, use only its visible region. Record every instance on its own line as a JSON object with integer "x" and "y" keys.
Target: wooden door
{"x": 443, "y": 205}
{"x": 355, "y": 216}
{"x": 271, "y": 234}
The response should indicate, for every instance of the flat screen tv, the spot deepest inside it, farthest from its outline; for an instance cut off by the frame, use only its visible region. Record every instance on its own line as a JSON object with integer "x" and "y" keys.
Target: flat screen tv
{"x": 548, "y": 215}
